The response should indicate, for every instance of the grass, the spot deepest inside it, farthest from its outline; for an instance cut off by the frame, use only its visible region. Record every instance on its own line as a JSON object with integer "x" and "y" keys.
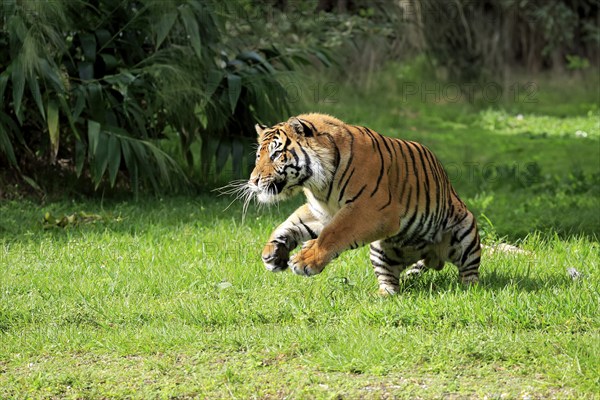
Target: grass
{"x": 167, "y": 298}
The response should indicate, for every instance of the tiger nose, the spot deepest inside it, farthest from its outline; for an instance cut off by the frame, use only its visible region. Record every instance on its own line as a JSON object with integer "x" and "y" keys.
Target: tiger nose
{"x": 254, "y": 181}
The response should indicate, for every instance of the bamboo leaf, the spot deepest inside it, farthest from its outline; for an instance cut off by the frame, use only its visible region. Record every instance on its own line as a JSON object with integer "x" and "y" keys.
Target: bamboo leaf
{"x": 103, "y": 38}
{"x": 159, "y": 159}
{"x": 257, "y": 58}
{"x": 18, "y": 86}
{"x": 67, "y": 112}
{"x": 100, "y": 158}
{"x": 53, "y": 129}
{"x": 142, "y": 162}
{"x": 95, "y": 101}
{"x": 88, "y": 45}
{"x": 164, "y": 26}
{"x": 3, "y": 83}
{"x": 114, "y": 158}
{"x": 207, "y": 152}
{"x": 323, "y": 58}
{"x": 127, "y": 155}
{"x": 234, "y": 88}
{"x": 132, "y": 168}
{"x": 79, "y": 156}
{"x": 34, "y": 87}
{"x": 32, "y": 183}
{"x": 213, "y": 80}
{"x": 191, "y": 27}
{"x": 50, "y": 75}
{"x": 251, "y": 55}
{"x": 79, "y": 94}
{"x": 223, "y": 152}
{"x": 6, "y": 146}
{"x": 110, "y": 62}
{"x": 93, "y": 136}
{"x": 86, "y": 70}
{"x": 237, "y": 155}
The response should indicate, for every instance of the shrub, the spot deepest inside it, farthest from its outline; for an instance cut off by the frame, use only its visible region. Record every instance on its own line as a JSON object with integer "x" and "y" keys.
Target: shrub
{"x": 91, "y": 87}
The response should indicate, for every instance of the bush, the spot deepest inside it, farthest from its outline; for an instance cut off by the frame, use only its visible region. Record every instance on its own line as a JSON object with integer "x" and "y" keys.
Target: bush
{"x": 91, "y": 87}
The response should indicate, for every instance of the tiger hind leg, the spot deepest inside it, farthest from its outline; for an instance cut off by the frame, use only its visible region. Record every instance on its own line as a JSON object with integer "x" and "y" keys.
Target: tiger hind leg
{"x": 387, "y": 269}
{"x": 465, "y": 250}
{"x": 416, "y": 269}
{"x": 430, "y": 255}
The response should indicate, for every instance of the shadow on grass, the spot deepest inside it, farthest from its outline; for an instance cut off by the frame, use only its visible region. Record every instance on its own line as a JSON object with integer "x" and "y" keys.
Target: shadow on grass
{"x": 499, "y": 280}
{"x": 28, "y": 220}
{"x": 496, "y": 280}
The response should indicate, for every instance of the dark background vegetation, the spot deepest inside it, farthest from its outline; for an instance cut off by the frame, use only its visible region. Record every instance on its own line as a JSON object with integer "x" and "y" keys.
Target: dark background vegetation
{"x": 155, "y": 96}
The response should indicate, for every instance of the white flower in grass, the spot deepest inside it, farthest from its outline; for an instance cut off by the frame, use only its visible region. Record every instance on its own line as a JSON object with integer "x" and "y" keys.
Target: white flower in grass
{"x": 573, "y": 273}
{"x": 581, "y": 134}
{"x": 224, "y": 285}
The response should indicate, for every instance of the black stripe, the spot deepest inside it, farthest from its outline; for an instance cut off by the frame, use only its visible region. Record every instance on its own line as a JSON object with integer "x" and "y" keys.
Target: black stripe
{"x": 312, "y": 126}
{"x": 295, "y": 155}
{"x": 341, "y": 196}
{"x": 417, "y": 186}
{"x": 365, "y": 131}
{"x": 461, "y": 220}
{"x": 388, "y": 202}
{"x": 390, "y": 276}
{"x": 405, "y": 183}
{"x": 414, "y": 170}
{"x": 383, "y": 257}
{"x": 308, "y": 162}
{"x": 384, "y": 140}
{"x": 467, "y": 251}
{"x": 284, "y": 143}
{"x": 469, "y": 229}
{"x": 312, "y": 233}
{"x": 357, "y": 195}
{"x": 308, "y": 131}
{"x": 474, "y": 262}
{"x": 376, "y": 146}
{"x": 425, "y": 215}
{"x": 336, "y": 162}
{"x": 436, "y": 187}
{"x": 411, "y": 219}
{"x": 350, "y": 157}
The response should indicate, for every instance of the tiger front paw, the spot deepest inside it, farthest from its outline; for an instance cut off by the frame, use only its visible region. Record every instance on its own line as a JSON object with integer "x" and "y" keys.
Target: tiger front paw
{"x": 310, "y": 260}
{"x": 275, "y": 256}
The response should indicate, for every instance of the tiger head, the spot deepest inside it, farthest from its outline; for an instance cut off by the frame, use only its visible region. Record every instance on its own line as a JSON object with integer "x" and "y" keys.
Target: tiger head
{"x": 285, "y": 162}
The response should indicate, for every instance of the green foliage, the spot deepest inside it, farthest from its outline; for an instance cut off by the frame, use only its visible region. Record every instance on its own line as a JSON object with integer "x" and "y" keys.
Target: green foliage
{"x": 98, "y": 85}
{"x": 474, "y": 39}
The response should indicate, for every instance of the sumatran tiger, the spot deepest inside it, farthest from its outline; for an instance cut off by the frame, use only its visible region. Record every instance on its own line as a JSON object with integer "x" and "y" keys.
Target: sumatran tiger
{"x": 361, "y": 187}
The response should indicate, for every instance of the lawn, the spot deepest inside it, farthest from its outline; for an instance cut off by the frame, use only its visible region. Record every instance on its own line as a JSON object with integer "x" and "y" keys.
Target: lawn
{"x": 167, "y": 297}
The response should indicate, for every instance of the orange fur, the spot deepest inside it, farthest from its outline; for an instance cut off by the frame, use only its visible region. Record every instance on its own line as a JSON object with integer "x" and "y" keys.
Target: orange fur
{"x": 361, "y": 187}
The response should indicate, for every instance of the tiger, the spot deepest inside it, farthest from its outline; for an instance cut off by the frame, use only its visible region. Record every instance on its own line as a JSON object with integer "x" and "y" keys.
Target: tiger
{"x": 361, "y": 188}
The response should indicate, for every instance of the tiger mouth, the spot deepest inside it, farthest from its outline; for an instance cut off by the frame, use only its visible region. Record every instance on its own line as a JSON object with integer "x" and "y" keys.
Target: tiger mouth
{"x": 279, "y": 186}
{"x": 274, "y": 191}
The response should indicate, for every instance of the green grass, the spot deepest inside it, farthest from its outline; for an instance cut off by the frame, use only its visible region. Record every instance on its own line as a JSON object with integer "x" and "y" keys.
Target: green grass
{"x": 168, "y": 298}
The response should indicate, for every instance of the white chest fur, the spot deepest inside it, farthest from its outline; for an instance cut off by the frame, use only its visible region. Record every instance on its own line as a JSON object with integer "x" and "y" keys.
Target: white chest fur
{"x": 322, "y": 211}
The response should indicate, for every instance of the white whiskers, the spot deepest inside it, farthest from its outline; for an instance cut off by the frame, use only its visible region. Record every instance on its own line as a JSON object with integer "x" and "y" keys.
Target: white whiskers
{"x": 241, "y": 190}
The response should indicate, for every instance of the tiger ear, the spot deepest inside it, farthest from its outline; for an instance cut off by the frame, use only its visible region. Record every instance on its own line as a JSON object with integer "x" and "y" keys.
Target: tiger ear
{"x": 260, "y": 128}
{"x": 300, "y": 127}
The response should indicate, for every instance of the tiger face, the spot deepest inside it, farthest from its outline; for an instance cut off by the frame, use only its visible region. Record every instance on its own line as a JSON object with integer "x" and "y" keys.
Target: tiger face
{"x": 282, "y": 163}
